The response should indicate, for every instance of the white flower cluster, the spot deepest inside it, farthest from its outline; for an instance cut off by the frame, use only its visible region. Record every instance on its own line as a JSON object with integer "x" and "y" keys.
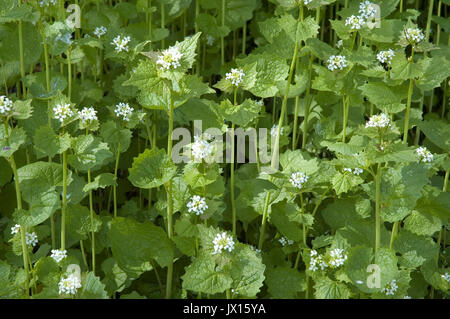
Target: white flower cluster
{"x": 58, "y": 254}
{"x": 197, "y": 205}
{"x": 414, "y": 35}
{"x": 316, "y": 261}
{"x": 380, "y": 120}
{"x": 446, "y": 276}
{"x": 47, "y": 3}
{"x": 355, "y": 22}
{"x": 390, "y": 288}
{"x": 235, "y": 76}
{"x": 15, "y": 229}
{"x": 367, "y": 10}
{"x": 337, "y": 62}
{"x": 385, "y": 56}
{"x": 100, "y": 31}
{"x": 124, "y": 110}
{"x": 337, "y": 258}
{"x": 355, "y": 171}
{"x": 284, "y": 241}
{"x": 5, "y": 105}
{"x": 62, "y": 112}
{"x": 31, "y": 239}
{"x": 170, "y": 58}
{"x": 223, "y": 242}
{"x": 201, "y": 148}
{"x": 424, "y": 155}
{"x": 87, "y": 114}
{"x": 210, "y": 40}
{"x": 274, "y": 130}
{"x": 297, "y": 179}
{"x": 121, "y": 43}
{"x": 69, "y": 285}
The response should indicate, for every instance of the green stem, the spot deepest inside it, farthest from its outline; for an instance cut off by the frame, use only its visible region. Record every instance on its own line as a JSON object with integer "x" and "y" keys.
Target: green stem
{"x": 116, "y": 169}
{"x": 91, "y": 210}
{"x": 163, "y": 23}
{"x": 169, "y": 198}
{"x": 64, "y": 203}
{"x": 262, "y": 231}
{"x": 233, "y": 204}
{"x": 294, "y": 132}
{"x": 21, "y": 56}
{"x": 244, "y": 38}
{"x": 222, "y": 40}
{"x": 285, "y": 97}
{"x": 344, "y": 116}
{"x": 377, "y": 208}
{"x": 393, "y": 234}
{"x": 69, "y": 73}
{"x": 308, "y": 101}
{"x": 408, "y": 110}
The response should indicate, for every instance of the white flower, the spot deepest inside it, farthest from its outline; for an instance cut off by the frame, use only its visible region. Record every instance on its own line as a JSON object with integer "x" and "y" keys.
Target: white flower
{"x": 367, "y": 10}
{"x": 355, "y": 22}
{"x": 170, "y": 58}
{"x": 407, "y": 297}
{"x": 424, "y": 155}
{"x": 336, "y": 62}
{"x": 201, "y": 148}
{"x": 359, "y": 282}
{"x": 274, "y": 130}
{"x": 446, "y": 276}
{"x": 235, "y": 76}
{"x": 385, "y": 56}
{"x": 210, "y": 40}
{"x": 305, "y": 2}
{"x": 380, "y": 120}
{"x": 223, "y": 242}
{"x": 15, "y": 229}
{"x": 46, "y": 3}
{"x": 87, "y": 114}
{"x": 100, "y": 31}
{"x": 390, "y": 288}
{"x": 284, "y": 241}
{"x": 62, "y": 112}
{"x": 355, "y": 171}
{"x": 339, "y": 44}
{"x": 316, "y": 261}
{"x": 31, "y": 239}
{"x": 337, "y": 257}
{"x": 69, "y": 285}
{"x": 197, "y": 205}
{"x": 58, "y": 254}
{"x": 124, "y": 110}
{"x": 5, "y": 105}
{"x": 297, "y": 179}
{"x": 121, "y": 43}
{"x": 414, "y": 35}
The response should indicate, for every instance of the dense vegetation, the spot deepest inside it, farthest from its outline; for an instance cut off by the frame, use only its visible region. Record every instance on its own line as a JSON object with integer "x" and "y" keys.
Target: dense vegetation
{"x": 354, "y": 96}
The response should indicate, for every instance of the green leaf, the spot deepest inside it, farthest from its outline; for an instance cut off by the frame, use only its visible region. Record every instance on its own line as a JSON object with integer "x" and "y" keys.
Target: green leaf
{"x": 133, "y": 245}
{"x": 415, "y": 250}
{"x": 381, "y": 94}
{"x": 437, "y": 69}
{"x": 203, "y": 276}
{"x": 17, "y": 137}
{"x": 152, "y": 168}
{"x": 422, "y": 224}
{"x": 115, "y": 136}
{"x": 438, "y": 132}
{"x": 284, "y": 282}
{"x": 325, "y": 288}
{"x": 22, "y": 110}
{"x": 343, "y": 182}
{"x": 279, "y": 217}
{"x": 101, "y": 181}
{"x": 242, "y": 114}
{"x": 92, "y": 288}
{"x": 89, "y": 153}
{"x": 47, "y": 143}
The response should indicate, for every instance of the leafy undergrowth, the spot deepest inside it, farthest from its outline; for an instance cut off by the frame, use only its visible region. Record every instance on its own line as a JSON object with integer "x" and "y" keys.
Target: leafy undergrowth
{"x": 351, "y": 201}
